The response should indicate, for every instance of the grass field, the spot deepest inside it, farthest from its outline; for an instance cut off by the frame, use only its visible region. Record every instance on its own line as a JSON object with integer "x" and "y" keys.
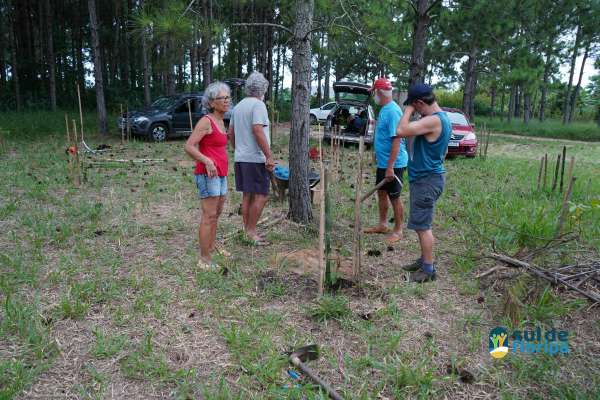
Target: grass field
{"x": 551, "y": 128}
{"x": 101, "y": 297}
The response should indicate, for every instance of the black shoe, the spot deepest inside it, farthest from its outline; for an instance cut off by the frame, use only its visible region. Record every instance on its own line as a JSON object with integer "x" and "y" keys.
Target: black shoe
{"x": 421, "y": 277}
{"x": 415, "y": 266}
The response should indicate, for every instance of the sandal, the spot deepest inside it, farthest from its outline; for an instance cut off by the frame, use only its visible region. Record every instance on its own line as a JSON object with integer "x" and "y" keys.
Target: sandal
{"x": 205, "y": 266}
{"x": 377, "y": 229}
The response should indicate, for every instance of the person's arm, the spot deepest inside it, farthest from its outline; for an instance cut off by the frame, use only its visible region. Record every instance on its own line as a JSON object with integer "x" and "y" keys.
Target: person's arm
{"x": 261, "y": 139}
{"x": 201, "y": 129}
{"x": 389, "y": 172}
{"x": 231, "y": 134}
{"x": 423, "y": 126}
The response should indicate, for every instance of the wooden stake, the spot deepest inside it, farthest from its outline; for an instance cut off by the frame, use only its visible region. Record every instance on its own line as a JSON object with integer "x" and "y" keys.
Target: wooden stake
{"x": 69, "y": 155}
{"x": 190, "y": 114}
{"x": 539, "y": 180}
{"x": 487, "y": 142}
{"x": 556, "y": 168}
{"x": 356, "y": 260}
{"x": 322, "y": 217}
{"x": 122, "y": 126}
{"x": 80, "y": 111}
{"x": 77, "y": 169}
{"x": 562, "y": 172}
{"x": 565, "y": 204}
{"x": 545, "y": 170}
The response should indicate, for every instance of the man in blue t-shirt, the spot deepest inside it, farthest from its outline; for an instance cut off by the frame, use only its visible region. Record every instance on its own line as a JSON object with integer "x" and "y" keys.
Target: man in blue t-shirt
{"x": 391, "y": 158}
{"x": 427, "y": 146}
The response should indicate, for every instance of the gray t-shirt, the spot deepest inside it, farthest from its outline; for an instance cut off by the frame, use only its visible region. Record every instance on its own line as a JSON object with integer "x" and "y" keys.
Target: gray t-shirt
{"x": 250, "y": 111}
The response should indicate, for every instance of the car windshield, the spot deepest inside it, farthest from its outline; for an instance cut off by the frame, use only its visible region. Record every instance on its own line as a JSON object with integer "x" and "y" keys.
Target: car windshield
{"x": 457, "y": 118}
{"x": 164, "y": 102}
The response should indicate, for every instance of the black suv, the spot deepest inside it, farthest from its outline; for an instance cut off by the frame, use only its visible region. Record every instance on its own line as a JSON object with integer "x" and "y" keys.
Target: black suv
{"x": 169, "y": 117}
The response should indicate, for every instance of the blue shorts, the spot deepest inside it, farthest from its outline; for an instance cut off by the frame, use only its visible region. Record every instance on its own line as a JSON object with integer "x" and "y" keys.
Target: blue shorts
{"x": 211, "y": 187}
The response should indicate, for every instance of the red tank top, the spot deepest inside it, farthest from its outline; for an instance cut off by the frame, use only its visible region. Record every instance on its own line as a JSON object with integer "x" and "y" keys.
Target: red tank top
{"x": 214, "y": 146}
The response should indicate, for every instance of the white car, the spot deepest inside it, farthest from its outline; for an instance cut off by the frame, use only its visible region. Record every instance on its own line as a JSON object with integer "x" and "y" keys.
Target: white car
{"x": 321, "y": 113}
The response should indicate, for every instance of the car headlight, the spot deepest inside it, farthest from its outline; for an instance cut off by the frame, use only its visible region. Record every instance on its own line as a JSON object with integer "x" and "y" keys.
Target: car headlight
{"x": 140, "y": 120}
{"x": 470, "y": 136}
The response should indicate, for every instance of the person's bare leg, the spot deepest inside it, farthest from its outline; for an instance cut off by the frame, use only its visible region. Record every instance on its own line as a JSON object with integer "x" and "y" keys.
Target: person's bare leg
{"x": 382, "y": 201}
{"x": 398, "y": 216}
{"x": 220, "y": 205}
{"x": 246, "y": 201}
{"x": 426, "y": 240}
{"x": 382, "y": 197}
{"x": 207, "y": 224}
{"x": 254, "y": 213}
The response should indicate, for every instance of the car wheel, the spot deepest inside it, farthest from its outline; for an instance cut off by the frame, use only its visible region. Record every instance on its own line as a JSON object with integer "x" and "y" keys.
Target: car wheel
{"x": 158, "y": 132}
{"x": 313, "y": 119}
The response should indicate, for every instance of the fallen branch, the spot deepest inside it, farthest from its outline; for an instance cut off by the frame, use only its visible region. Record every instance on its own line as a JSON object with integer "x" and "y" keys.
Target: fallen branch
{"x": 489, "y": 271}
{"x": 544, "y": 275}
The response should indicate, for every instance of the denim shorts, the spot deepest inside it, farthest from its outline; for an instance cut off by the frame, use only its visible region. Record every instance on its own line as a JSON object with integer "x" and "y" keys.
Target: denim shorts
{"x": 424, "y": 193}
{"x": 211, "y": 187}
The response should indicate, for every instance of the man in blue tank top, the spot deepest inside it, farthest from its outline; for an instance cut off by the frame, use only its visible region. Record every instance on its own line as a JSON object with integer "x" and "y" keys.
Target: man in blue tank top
{"x": 427, "y": 146}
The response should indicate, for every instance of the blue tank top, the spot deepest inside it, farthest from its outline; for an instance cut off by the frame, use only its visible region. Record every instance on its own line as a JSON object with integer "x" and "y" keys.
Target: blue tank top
{"x": 428, "y": 158}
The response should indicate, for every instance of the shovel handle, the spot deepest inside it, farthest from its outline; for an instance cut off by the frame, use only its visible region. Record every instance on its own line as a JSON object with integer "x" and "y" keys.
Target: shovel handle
{"x": 377, "y": 187}
{"x": 312, "y": 375}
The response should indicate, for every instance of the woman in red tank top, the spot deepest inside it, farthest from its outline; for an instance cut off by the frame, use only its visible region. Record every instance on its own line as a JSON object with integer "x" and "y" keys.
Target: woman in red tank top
{"x": 208, "y": 146}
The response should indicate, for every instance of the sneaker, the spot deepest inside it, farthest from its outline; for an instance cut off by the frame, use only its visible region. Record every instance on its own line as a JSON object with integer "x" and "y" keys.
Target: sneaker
{"x": 421, "y": 277}
{"x": 415, "y": 266}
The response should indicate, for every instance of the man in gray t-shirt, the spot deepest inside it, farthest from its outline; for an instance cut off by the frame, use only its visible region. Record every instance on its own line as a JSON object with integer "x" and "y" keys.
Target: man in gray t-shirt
{"x": 249, "y": 136}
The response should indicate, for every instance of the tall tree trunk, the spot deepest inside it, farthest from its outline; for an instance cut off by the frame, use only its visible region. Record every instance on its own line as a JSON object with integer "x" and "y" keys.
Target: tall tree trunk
{"x": 526, "y": 107}
{"x": 546, "y": 79}
{"x": 518, "y": 102}
{"x": 567, "y": 104}
{"x": 193, "y": 64}
{"x": 269, "y": 55}
{"x": 3, "y": 23}
{"x": 300, "y": 208}
{"x": 493, "y": 99}
{"x": 327, "y": 73}
{"x": 14, "y": 49}
{"x": 511, "y": 102}
{"x": 146, "y": 70}
{"x": 422, "y": 19}
{"x": 207, "y": 47}
{"x": 101, "y": 105}
{"x": 50, "y": 55}
{"x": 578, "y": 87}
{"x": 320, "y": 72}
{"x": 277, "y": 77}
{"x": 470, "y": 83}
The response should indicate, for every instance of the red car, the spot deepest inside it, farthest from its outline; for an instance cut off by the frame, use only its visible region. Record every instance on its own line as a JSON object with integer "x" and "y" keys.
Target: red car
{"x": 463, "y": 141}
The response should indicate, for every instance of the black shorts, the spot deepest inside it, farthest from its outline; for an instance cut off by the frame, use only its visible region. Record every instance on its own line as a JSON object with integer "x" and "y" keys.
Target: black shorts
{"x": 252, "y": 178}
{"x": 394, "y": 187}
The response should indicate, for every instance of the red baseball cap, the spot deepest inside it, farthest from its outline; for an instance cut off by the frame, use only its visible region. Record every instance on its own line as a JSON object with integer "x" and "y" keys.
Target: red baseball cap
{"x": 381, "y": 83}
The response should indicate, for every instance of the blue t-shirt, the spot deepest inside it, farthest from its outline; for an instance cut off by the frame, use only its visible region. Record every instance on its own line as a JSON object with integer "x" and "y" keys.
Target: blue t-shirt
{"x": 428, "y": 158}
{"x": 385, "y": 131}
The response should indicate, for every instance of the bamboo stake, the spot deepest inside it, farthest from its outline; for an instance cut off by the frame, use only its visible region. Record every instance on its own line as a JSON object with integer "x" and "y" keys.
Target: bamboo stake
{"x": 562, "y": 172}
{"x": 565, "y": 204}
{"x": 539, "y": 180}
{"x": 545, "y": 170}
{"x": 322, "y": 217}
{"x": 69, "y": 155}
{"x": 80, "y": 111}
{"x": 487, "y": 142}
{"x": 556, "y": 168}
{"x": 122, "y": 126}
{"x": 190, "y": 115}
{"x": 356, "y": 260}
{"x": 77, "y": 169}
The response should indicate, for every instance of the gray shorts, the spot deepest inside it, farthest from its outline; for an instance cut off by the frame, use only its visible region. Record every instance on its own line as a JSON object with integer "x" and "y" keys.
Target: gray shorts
{"x": 424, "y": 193}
